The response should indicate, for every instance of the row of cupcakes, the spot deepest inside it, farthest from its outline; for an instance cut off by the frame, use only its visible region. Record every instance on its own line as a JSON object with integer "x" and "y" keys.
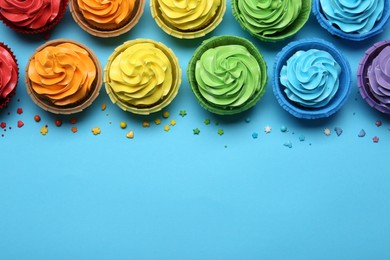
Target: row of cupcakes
{"x": 227, "y": 74}
{"x": 267, "y": 20}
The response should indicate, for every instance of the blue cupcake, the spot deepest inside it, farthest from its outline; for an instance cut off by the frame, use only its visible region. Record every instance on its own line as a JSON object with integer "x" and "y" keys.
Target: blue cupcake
{"x": 312, "y": 79}
{"x": 355, "y": 20}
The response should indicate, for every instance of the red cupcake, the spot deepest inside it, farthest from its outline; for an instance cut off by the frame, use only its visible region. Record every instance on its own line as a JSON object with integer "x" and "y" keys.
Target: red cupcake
{"x": 32, "y": 16}
{"x": 9, "y": 73}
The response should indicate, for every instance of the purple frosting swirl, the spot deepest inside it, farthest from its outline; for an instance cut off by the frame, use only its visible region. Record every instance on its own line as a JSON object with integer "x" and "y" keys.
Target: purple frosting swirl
{"x": 379, "y": 77}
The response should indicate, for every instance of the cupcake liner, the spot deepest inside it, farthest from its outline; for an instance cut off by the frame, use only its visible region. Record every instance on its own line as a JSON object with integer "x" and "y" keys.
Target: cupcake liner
{"x": 69, "y": 109}
{"x": 176, "y": 71}
{"x": 341, "y": 95}
{"x": 166, "y": 27}
{"x": 44, "y": 29}
{"x": 378, "y": 28}
{"x": 5, "y": 101}
{"x": 221, "y": 41}
{"x": 288, "y": 32}
{"x": 110, "y": 32}
{"x": 363, "y": 84}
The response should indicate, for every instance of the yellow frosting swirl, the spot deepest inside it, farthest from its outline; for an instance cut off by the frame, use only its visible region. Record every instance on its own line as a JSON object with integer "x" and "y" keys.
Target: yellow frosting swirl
{"x": 190, "y": 14}
{"x": 62, "y": 74}
{"x": 106, "y": 12}
{"x": 141, "y": 75}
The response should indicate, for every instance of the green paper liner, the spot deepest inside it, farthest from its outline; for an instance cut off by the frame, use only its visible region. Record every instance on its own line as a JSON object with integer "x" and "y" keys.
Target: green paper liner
{"x": 196, "y": 33}
{"x": 144, "y": 110}
{"x": 95, "y": 30}
{"x": 287, "y": 32}
{"x": 46, "y": 104}
{"x": 221, "y": 41}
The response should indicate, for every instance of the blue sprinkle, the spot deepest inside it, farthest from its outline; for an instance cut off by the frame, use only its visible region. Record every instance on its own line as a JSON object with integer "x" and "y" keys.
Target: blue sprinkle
{"x": 338, "y": 131}
{"x": 302, "y": 138}
{"x": 283, "y": 128}
{"x": 255, "y": 135}
{"x": 362, "y": 133}
{"x": 288, "y": 144}
{"x": 247, "y": 120}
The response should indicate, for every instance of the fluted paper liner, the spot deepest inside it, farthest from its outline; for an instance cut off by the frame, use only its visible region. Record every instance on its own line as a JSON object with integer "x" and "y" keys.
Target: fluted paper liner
{"x": 4, "y": 101}
{"x": 73, "y": 108}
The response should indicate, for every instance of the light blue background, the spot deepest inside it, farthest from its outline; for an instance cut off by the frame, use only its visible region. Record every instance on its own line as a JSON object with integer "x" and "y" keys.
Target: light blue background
{"x": 175, "y": 195}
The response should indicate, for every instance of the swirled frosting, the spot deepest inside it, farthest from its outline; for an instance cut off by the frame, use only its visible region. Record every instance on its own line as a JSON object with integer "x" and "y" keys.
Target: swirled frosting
{"x": 353, "y": 16}
{"x": 228, "y": 76}
{"x": 141, "y": 75}
{"x": 268, "y": 17}
{"x": 32, "y": 14}
{"x": 63, "y": 74}
{"x": 190, "y": 14}
{"x": 106, "y": 12}
{"x": 311, "y": 78}
{"x": 379, "y": 77}
{"x": 8, "y": 73}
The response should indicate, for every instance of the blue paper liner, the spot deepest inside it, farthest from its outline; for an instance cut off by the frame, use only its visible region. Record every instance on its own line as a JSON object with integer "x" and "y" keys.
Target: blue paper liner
{"x": 341, "y": 95}
{"x": 324, "y": 22}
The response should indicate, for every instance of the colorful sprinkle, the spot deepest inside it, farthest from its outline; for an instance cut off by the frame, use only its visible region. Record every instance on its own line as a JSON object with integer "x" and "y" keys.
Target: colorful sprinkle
{"x": 172, "y": 123}
{"x": 166, "y": 128}
{"x": 73, "y": 121}
{"x": 288, "y": 144}
{"x": 207, "y": 121}
{"x": 123, "y": 125}
{"x": 220, "y": 131}
{"x": 255, "y": 135}
{"x": 157, "y": 121}
{"x": 146, "y": 123}
{"x": 3, "y": 125}
{"x": 37, "y": 118}
{"x": 58, "y": 123}
{"x": 302, "y": 138}
{"x": 19, "y": 111}
{"x": 267, "y": 129}
{"x": 283, "y": 128}
{"x": 247, "y": 120}
{"x": 74, "y": 129}
{"x": 362, "y": 133}
{"x": 182, "y": 113}
{"x": 327, "y": 131}
{"x": 96, "y": 130}
{"x": 375, "y": 139}
{"x": 20, "y": 124}
{"x": 104, "y": 106}
{"x": 44, "y": 130}
{"x": 165, "y": 114}
{"x": 338, "y": 131}
{"x": 196, "y": 131}
{"x": 378, "y": 123}
{"x": 130, "y": 134}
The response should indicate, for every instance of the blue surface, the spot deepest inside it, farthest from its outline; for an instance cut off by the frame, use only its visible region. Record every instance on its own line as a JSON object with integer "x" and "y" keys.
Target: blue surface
{"x": 176, "y": 195}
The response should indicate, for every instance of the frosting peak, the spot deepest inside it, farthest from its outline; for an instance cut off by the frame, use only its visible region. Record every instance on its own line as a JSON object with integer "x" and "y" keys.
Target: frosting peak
{"x": 8, "y": 73}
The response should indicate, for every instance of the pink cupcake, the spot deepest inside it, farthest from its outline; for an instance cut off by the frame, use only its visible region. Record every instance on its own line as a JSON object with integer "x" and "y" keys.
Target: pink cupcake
{"x": 9, "y": 73}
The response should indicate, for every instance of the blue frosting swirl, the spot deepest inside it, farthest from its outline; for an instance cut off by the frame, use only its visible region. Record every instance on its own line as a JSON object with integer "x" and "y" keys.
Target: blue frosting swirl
{"x": 353, "y": 16}
{"x": 311, "y": 78}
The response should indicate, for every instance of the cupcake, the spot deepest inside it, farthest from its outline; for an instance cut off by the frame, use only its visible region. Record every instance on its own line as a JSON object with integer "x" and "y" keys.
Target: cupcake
{"x": 142, "y": 76}
{"x": 188, "y": 19}
{"x": 374, "y": 76}
{"x": 311, "y": 79}
{"x": 31, "y": 16}
{"x": 107, "y": 18}
{"x": 63, "y": 77}
{"x": 271, "y": 20}
{"x": 357, "y": 20}
{"x": 9, "y": 73}
{"x": 227, "y": 74}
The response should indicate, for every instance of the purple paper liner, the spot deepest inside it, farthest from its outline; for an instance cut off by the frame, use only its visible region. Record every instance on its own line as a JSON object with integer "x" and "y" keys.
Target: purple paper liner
{"x": 362, "y": 80}
{"x": 324, "y": 22}
{"x": 341, "y": 95}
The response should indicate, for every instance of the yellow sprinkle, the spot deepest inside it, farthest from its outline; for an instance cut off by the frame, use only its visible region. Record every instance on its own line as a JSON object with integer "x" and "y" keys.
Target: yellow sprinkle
{"x": 96, "y": 130}
{"x": 172, "y": 123}
{"x": 165, "y": 114}
{"x": 130, "y": 134}
{"x": 104, "y": 106}
{"x": 123, "y": 125}
{"x": 166, "y": 128}
{"x": 157, "y": 121}
{"x": 145, "y": 123}
{"x": 44, "y": 130}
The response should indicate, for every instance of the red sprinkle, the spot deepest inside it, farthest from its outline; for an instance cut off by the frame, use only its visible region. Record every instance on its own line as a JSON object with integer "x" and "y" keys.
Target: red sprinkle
{"x": 3, "y": 125}
{"x": 375, "y": 139}
{"x": 37, "y": 118}
{"x": 73, "y": 121}
{"x": 46, "y": 36}
{"x": 58, "y": 122}
{"x": 19, "y": 111}
{"x": 20, "y": 124}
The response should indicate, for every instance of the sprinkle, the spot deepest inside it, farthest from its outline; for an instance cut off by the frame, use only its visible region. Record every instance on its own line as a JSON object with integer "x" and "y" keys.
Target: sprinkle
{"x": 96, "y": 130}
{"x": 20, "y": 124}
{"x": 3, "y": 125}
{"x": 283, "y": 129}
{"x": 196, "y": 131}
{"x": 375, "y": 139}
{"x": 207, "y": 121}
{"x": 302, "y": 138}
{"x": 378, "y": 123}
{"x": 37, "y": 118}
{"x": 216, "y": 123}
{"x": 157, "y": 121}
{"x": 146, "y": 123}
{"x": 73, "y": 121}
{"x": 183, "y": 113}
{"x": 74, "y": 129}
{"x": 44, "y": 130}
{"x": 327, "y": 131}
{"x": 255, "y": 135}
{"x": 46, "y": 36}
{"x": 165, "y": 114}
{"x": 166, "y": 128}
{"x": 338, "y": 131}
{"x": 288, "y": 144}
{"x": 267, "y": 129}
{"x": 172, "y": 123}
{"x": 247, "y": 120}
{"x": 58, "y": 123}
{"x": 362, "y": 133}
{"x": 104, "y": 106}
{"x": 19, "y": 111}
{"x": 123, "y": 125}
{"x": 130, "y": 134}
{"x": 220, "y": 132}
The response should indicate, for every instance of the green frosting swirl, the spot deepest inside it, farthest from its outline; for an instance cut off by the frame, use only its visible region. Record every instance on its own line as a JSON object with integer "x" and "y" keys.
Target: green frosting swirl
{"x": 228, "y": 76}
{"x": 268, "y": 17}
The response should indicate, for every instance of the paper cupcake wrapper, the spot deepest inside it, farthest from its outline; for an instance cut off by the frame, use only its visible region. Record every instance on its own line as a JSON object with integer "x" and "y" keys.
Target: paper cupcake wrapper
{"x": 6, "y": 100}
{"x": 106, "y": 33}
{"x": 288, "y": 32}
{"x": 70, "y": 109}
{"x": 362, "y": 81}
{"x": 221, "y": 41}
{"x": 164, "y": 25}
{"x": 176, "y": 71}
{"x": 324, "y": 22}
{"x": 341, "y": 95}
{"x": 44, "y": 29}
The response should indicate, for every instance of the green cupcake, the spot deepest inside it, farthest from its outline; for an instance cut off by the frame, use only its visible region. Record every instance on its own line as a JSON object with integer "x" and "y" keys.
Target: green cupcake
{"x": 271, "y": 20}
{"x": 227, "y": 74}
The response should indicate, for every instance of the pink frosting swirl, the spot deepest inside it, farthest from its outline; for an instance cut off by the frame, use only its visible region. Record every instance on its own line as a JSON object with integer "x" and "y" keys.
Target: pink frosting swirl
{"x": 32, "y": 14}
{"x": 8, "y": 72}
{"x": 379, "y": 77}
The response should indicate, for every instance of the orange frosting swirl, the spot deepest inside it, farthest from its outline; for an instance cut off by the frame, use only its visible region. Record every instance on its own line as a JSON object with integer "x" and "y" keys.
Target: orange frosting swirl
{"x": 106, "y": 12}
{"x": 63, "y": 74}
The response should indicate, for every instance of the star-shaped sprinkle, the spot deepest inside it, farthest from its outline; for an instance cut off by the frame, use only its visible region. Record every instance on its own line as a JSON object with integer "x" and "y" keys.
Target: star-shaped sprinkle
{"x": 172, "y": 123}
{"x": 196, "y": 131}
{"x": 146, "y": 123}
{"x": 96, "y": 130}
{"x": 157, "y": 121}
{"x": 44, "y": 130}
{"x": 182, "y": 113}
{"x": 327, "y": 131}
{"x": 267, "y": 129}
{"x": 375, "y": 139}
{"x": 255, "y": 135}
{"x": 166, "y": 128}
{"x": 220, "y": 131}
{"x": 130, "y": 134}
{"x": 207, "y": 121}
